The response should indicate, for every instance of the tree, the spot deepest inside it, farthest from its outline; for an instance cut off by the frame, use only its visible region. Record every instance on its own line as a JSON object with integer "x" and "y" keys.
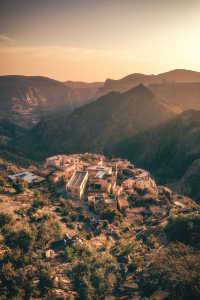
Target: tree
{"x": 183, "y": 228}
{"x": 95, "y": 276}
{"x": 111, "y": 215}
{"x": 20, "y": 185}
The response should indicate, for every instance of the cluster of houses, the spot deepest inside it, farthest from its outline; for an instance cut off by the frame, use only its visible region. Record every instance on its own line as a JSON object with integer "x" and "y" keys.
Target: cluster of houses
{"x": 103, "y": 183}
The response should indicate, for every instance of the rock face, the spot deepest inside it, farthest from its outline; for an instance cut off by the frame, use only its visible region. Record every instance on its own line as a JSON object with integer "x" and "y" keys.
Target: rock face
{"x": 37, "y": 92}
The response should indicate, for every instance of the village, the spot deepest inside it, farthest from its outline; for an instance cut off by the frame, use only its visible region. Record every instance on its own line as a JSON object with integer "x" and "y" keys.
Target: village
{"x": 99, "y": 183}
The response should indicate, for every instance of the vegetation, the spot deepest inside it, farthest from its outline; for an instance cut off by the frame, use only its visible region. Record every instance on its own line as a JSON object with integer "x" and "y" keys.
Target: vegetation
{"x": 95, "y": 276}
{"x": 111, "y": 215}
{"x": 150, "y": 241}
{"x": 183, "y": 228}
{"x": 5, "y": 218}
{"x": 20, "y": 185}
{"x": 176, "y": 269}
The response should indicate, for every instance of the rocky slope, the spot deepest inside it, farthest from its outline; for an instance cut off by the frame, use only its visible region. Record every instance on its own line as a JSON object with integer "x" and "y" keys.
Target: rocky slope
{"x": 132, "y": 80}
{"x": 38, "y": 93}
{"x": 98, "y": 126}
{"x": 13, "y": 124}
{"x": 188, "y": 94}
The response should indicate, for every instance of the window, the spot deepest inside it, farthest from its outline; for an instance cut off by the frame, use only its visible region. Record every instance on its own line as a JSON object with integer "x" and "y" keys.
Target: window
{"x": 76, "y": 196}
{"x": 76, "y": 191}
{"x": 70, "y": 195}
{"x": 69, "y": 190}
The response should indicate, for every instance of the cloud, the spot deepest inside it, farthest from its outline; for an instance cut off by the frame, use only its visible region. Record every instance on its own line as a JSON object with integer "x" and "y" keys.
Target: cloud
{"x": 6, "y": 39}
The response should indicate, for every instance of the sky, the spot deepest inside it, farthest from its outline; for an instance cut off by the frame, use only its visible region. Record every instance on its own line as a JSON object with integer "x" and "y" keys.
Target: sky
{"x": 91, "y": 40}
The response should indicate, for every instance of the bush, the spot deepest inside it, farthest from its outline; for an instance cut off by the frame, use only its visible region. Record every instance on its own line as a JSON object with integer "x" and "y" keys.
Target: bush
{"x": 17, "y": 284}
{"x": 65, "y": 219}
{"x": 150, "y": 241}
{"x": 48, "y": 231}
{"x": 176, "y": 269}
{"x": 183, "y": 228}
{"x": 127, "y": 248}
{"x": 95, "y": 276}
{"x": 71, "y": 225}
{"x": 111, "y": 215}
{"x": 22, "y": 211}
{"x": 71, "y": 253}
{"x": 40, "y": 203}
{"x": 59, "y": 210}
{"x": 46, "y": 278}
{"x": 2, "y": 181}
{"x": 5, "y": 219}
{"x": 24, "y": 238}
{"x": 20, "y": 185}
{"x": 136, "y": 262}
{"x": 74, "y": 216}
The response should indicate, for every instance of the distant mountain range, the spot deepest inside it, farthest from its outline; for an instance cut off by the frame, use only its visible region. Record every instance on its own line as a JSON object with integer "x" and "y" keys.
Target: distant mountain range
{"x": 124, "y": 84}
{"x": 99, "y": 125}
{"x": 39, "y": 94}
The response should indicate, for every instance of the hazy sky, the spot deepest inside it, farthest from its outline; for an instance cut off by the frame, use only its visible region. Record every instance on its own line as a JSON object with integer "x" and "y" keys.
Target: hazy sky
{"x": 91, "y": 40}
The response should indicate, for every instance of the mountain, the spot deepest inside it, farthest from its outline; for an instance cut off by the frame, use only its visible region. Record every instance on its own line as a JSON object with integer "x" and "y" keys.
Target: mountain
{"x": 98, "y": 126}
{"x": 126, "y": 83}
{"x": 188, "y": 94}
{"x": 170, "y": 151}
{"x": 13, "y": 124}
{"x": 85, "y": 89}
{"x": 37, "y": 94}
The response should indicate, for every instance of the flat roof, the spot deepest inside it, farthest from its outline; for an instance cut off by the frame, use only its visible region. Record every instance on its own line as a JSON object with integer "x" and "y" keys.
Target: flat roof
{"x": 77, "y": 179}
{"x": 28, "y": 176}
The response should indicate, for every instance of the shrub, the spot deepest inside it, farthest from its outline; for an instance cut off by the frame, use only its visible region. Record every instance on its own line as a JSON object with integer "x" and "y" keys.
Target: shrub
{"x": 48, "y": 231}
{"x": 40, "y": 203}
{"x": 2, "y": 181}
{"x": 111, "y": 215}
{"x": 104, "y": 245}
{"x": 46, "y": 278}
{"x": 59, "y": 210}
{"x": 127, "y": 248}
{"x": 5, "y": 219}
{"x": 22, "y": 211}
{"x": 71, "y": 225}
{"x": 17, "y": 284}
{"x": 31, "y": 210}
{"x": 183, "y": 228}
{"x": 71, "y": 253}
{"x": 65, "y": 219}
{"x": 24, "y": 238}
{"x": 95, "y": 276}
{"x": 20, "y": 185}
{"x": 74, "y": 216}
{"x": 150, "y": 241}
{"x": 136, "y": 261}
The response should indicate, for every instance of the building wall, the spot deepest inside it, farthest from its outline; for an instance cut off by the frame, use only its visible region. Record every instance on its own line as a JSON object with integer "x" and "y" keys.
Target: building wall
{"x": 142, "y": 184}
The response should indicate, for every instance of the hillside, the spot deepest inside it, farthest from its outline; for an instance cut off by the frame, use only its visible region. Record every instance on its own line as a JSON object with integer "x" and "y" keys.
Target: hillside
{"x": 188, "y": 94}
{"x": 171, "y": 152}
{"x": 96, "y": 127}
{"x": 38, "y": 93}
{"x": 126, "y": 83}
{"x": 13, "y": 124}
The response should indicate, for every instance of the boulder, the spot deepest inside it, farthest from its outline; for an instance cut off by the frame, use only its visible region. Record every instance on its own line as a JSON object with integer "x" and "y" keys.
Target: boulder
{"x": 160, "y": 294}
{"x": 130, "y": 286}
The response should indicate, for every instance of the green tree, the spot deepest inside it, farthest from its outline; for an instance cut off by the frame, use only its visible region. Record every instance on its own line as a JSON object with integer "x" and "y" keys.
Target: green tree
{"x": 111, "y": 215}
{"x": 95, "y": 276}
{"x": 20, "y": 185}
